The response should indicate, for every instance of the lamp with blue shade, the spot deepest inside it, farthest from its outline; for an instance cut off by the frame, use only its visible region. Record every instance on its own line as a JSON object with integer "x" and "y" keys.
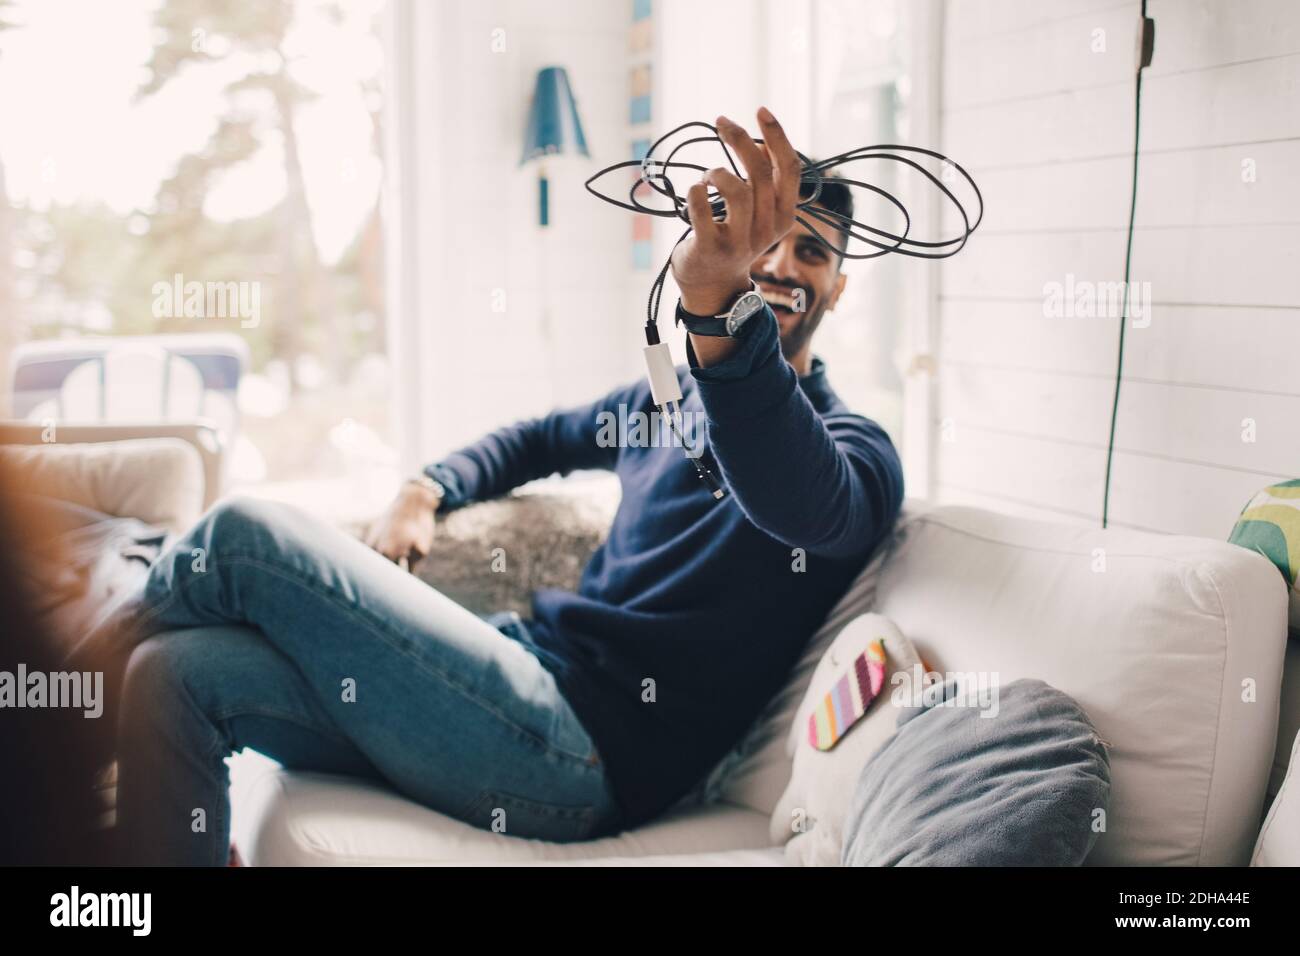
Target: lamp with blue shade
{"x": 553, "y": 129}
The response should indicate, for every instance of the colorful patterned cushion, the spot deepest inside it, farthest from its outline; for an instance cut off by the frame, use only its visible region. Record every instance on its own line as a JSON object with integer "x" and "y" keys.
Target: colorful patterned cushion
{"x": 809, "y": 817}
{"x": 1270, "y": 524}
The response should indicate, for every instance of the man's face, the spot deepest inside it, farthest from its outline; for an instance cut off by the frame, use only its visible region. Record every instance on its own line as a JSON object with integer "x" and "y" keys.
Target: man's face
{"x": 800, "y": 267}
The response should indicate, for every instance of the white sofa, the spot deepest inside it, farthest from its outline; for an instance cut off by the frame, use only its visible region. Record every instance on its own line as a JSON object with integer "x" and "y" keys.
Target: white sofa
{"x": 1175, "y": 647}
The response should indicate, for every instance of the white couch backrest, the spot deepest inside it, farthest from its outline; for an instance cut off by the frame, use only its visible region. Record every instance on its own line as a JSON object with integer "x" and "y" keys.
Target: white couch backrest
{"x": 1173, "y": 646}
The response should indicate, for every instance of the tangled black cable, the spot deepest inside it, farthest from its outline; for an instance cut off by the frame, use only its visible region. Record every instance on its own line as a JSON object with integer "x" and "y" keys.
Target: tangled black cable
{"x": 654, "y": 174}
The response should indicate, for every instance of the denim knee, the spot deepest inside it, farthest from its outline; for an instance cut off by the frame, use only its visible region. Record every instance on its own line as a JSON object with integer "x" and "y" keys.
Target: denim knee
{"x": 158, "y": 669}
{"x": 170, "y": 688}
{"x": 237, "y": 516}
{"x": 236, "y": 525}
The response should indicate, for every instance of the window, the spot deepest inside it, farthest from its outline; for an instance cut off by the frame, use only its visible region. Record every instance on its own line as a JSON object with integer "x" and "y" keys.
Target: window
{"x": 860, "y": 87}
{"x": 191, "y": 194}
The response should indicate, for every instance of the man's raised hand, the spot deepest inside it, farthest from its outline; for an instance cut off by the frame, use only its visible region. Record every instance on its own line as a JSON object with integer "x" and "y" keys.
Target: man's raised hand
{"x": 712, "y": 265}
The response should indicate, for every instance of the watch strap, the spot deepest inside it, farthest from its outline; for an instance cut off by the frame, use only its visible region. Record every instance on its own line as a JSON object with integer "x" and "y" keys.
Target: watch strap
{"x": 700, "y": 326}
{"x": 712, "y": 325}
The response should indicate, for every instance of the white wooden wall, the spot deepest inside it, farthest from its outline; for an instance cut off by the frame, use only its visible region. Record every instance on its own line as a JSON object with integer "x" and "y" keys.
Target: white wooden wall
{"x": 1045, "y": 125}
{"x": 493, "y": 319}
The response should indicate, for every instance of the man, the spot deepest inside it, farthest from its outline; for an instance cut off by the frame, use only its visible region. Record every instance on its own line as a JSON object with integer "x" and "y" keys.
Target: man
{"x": 611, "y": 702}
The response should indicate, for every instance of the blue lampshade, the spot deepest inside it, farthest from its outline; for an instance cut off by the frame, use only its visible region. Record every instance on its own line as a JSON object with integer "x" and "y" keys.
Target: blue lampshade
{"x": 553, "y": 124}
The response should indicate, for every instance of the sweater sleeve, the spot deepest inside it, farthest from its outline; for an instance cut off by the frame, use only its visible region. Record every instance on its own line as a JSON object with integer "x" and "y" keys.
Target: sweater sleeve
{"x": 563, "y": 441}
{"x": 832, "y": 485}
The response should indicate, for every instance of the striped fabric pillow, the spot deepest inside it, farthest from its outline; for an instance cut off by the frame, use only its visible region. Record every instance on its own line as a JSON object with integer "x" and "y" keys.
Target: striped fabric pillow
{"x": 831, "y": 739}
{"x": 844, "y": 704}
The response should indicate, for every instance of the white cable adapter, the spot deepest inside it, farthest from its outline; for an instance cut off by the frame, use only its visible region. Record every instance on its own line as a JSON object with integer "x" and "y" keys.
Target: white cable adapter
{"x": 664, "y": 387}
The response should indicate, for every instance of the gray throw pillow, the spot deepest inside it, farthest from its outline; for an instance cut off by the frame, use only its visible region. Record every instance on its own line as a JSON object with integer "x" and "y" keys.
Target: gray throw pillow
{"x": 1026, "y": 785}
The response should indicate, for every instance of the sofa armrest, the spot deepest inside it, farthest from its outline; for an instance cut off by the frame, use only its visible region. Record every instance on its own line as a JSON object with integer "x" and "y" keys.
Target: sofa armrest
{"x": 203, "y": 436}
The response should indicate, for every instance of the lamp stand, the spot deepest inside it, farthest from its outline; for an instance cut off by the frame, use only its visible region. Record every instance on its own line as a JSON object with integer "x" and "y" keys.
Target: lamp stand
{"x": 543, "y": 263}
{"x": 543, "y": 197}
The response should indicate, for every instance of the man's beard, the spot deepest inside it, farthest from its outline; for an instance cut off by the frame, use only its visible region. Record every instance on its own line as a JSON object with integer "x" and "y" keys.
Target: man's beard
{"x": 794, "y": 338}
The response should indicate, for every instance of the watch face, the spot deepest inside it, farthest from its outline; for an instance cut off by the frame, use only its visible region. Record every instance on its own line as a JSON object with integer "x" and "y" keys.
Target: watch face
{"x": 747, "y": 306}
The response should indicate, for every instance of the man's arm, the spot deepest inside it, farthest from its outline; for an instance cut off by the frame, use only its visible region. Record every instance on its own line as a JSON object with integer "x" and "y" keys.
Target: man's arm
{"x": 563, "y": 441}
{"x": 832, "y": 487}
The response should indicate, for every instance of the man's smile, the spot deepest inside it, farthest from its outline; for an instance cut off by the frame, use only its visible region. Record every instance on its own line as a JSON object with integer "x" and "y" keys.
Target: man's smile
{"x": 782, "y": 299}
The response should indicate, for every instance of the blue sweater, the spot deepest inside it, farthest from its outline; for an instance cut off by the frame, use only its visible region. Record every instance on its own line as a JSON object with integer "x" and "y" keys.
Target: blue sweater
{"x": 691, "y": 615}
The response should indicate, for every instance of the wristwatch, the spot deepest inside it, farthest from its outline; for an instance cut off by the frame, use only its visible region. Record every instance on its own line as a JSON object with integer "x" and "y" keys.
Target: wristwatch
{"x": 729, "y": 323}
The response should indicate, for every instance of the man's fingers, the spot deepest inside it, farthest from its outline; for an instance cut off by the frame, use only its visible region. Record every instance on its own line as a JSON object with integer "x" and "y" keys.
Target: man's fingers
{"x": 384, "y": 545}
{"x": 422, "y": 541}
{"x": 759, "y": 170}
{"x": 787, "y": 168}
{"x": 740, "y": 200}
{"x": 776, "y": 224}
{"x": 697, "y": 203}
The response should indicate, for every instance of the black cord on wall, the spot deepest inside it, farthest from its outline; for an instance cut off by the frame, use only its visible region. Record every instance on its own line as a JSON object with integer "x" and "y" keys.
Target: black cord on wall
{"x": 1147, "y": 41}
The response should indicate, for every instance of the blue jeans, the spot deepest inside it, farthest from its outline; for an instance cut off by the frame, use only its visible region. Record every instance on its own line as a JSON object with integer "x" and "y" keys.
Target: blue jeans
{"x": 346, "y": 664}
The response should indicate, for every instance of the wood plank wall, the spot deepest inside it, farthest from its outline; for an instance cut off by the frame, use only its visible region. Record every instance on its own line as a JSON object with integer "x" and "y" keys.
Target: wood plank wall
{"x": 1044, "y": 121}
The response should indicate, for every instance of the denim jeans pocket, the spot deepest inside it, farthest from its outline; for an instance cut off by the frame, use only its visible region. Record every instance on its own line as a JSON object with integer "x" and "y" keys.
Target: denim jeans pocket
{"x": 513, "y": 815}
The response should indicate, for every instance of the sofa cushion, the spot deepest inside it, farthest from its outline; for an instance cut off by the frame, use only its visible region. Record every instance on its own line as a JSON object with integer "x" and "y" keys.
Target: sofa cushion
{"x": 1288, "y": 718}
{"x": 284, "y": 818}
{"x": 811, "y": 812}
{"x": 1018, "y": 778}
{"x": 1279, "y": 838}
{"x": 1172, "y": 645}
